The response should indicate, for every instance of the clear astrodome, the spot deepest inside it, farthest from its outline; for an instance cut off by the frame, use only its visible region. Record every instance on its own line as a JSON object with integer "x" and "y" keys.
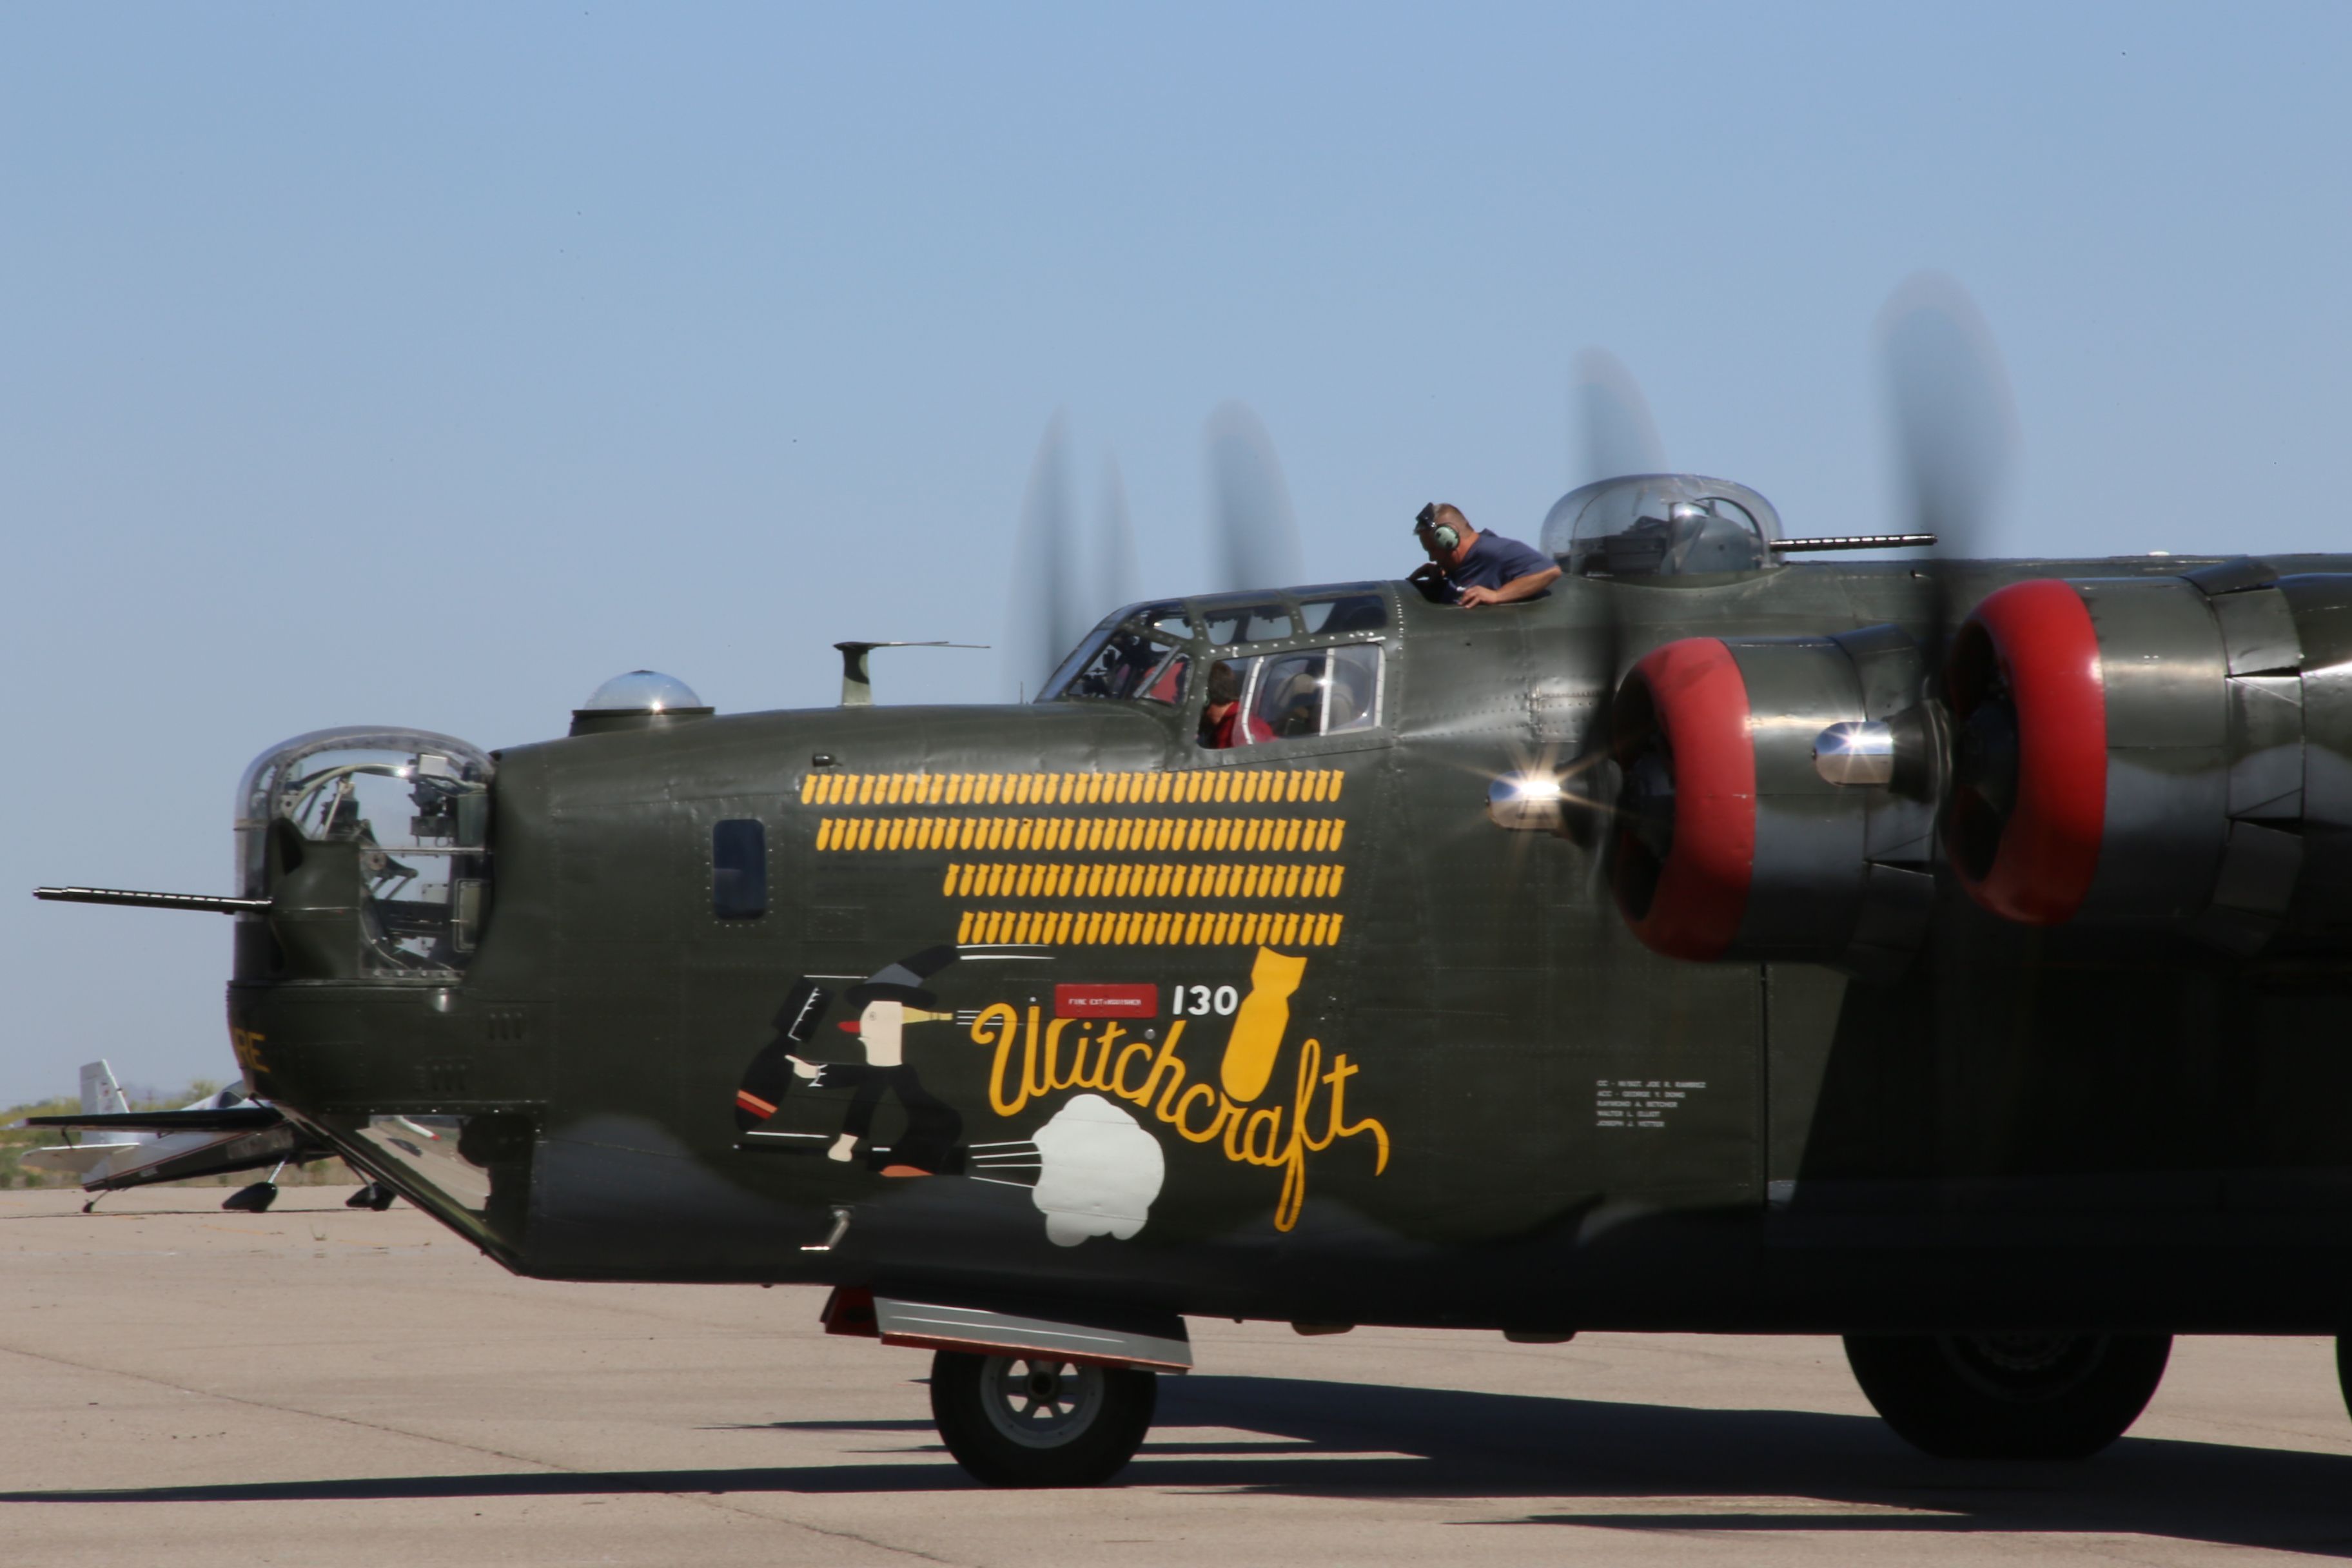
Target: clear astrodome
{"x": 642, "y": 691}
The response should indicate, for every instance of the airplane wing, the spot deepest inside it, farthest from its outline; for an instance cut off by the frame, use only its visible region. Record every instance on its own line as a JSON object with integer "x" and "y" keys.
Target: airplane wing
{"x": 181, "y": 1155}
{"x": 246, "y": 1118}
{"x": 72, "y": 1159}
{"x": 201, "y": 1140}
{"x": 221, "y": 1133}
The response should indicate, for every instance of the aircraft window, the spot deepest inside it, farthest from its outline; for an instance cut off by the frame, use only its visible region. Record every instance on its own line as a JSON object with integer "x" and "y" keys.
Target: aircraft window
{"x": 1287, "y": 697}
{"x": 1169, "y": 620}
{"x": 1352, "y": 698}
{"x": 1167, "y": 683}
{"x": 1249, "y": 623}
{"x": 1121, "y": 664}
{"x": 393, "y": 821}
{"x": 739, "y": 869}
{"x": 1662, "y": 525}
{"x": 1283, "y": 696}
{"x": 1356, "y": 613}
{"x": 1058, "y": 683}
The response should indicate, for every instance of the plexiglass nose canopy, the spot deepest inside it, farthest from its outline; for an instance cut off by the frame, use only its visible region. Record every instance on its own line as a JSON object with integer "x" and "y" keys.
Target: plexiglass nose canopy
{"x": 1661, "y": 525}
{"x": 373, "y": 845}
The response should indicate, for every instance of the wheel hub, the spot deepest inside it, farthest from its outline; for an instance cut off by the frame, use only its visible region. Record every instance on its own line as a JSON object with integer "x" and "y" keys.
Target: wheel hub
{"x": 2025, "y": 1368}
{"x": 1040, "y": 1404}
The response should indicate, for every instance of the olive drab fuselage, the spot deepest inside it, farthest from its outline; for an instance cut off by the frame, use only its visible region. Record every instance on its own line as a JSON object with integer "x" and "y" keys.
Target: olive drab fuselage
{"x": 1051, "y": 1001}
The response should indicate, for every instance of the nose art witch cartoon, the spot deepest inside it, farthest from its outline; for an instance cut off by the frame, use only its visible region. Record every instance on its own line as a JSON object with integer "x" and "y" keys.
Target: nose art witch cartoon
{"x": 887, "y": 1002}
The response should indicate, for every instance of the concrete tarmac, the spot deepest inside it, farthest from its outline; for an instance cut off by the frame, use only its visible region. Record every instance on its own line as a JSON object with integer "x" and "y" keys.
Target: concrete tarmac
{"x": 317, "y": 1384}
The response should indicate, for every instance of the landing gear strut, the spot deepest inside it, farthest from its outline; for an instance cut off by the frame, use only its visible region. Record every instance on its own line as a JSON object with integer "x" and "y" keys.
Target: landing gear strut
{"x": 1031, "y": 1421}
{"x": 256, "y": 1198}
{"x": 2009, "y": 1396}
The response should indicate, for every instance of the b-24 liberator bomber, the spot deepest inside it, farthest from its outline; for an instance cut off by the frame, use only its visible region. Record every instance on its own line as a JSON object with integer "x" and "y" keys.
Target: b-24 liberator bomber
{"x": 1952, "y": 955}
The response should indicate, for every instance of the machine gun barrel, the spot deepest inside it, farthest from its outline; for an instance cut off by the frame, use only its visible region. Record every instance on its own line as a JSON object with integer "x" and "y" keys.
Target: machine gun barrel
{"x": 217, "y": 903}
{"x": 1858, "y": 541}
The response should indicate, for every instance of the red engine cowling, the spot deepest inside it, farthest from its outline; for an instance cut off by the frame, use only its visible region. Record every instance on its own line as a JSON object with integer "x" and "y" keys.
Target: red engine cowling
{"x": 2156, "y": 751}
{"x": 2028, "y": 693}
{"x": 1730, "y": 840}
{"x": 1687, "y": 843}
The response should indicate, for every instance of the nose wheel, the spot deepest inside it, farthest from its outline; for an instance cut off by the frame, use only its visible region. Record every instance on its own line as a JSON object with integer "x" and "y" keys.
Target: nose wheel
{"x": 1026, "y": 1421}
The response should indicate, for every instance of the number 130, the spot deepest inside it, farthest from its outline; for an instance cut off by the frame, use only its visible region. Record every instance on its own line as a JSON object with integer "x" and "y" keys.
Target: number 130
{"x": 1199, "y": 1001}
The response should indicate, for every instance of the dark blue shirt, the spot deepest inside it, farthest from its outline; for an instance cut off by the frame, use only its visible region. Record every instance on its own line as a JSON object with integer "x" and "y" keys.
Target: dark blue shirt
{"x": 1494, "y": 561}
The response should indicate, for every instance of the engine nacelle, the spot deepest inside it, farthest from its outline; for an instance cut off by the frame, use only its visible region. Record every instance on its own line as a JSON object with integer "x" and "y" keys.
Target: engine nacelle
{"x": 1732, "y": 840}
{"x": 2156, "y": 751}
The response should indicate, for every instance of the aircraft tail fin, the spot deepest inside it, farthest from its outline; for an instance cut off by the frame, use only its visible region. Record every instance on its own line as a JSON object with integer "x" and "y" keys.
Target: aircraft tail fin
{"x": 101, "y": 1095}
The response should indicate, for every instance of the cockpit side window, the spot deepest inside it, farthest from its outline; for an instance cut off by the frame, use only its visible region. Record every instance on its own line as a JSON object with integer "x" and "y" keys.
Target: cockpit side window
{"x": 1167, "y": 683}
{"x": 1289, "y": 696}
{"x": 1351, "y": 699}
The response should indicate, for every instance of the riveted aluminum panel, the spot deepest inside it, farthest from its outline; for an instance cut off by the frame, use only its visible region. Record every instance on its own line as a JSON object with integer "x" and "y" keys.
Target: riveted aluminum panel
{"x": 2165, "y": 826}
{"x": 2322, "y": 605}
{"x": 2266, "y": 746}
{"x": 2328, "y": 745}
{"x": 1806, "y": 890}
{"x": 2233, "y": 575}
{"x": 2259, "y": 868}
{"x": 1896, "y": 906}
{"x": 2258, "y": 631}
{"x": 2161, "y": 655}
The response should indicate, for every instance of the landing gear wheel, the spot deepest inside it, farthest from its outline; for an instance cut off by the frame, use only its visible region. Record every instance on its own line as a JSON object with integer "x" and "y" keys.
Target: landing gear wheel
{"x": 1025, "y": 1421}
{"x": 374, "y": 1195}
{"x": 2009, "y": 1396}
{"x": 254, "y": 1199}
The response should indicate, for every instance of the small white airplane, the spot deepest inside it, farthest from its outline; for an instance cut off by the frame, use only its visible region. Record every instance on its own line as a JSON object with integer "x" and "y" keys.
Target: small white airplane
{"x": 208, "y": 1137}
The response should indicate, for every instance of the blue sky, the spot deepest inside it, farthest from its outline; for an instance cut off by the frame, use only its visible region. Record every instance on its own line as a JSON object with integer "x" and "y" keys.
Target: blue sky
{"x": 427, "y": 364}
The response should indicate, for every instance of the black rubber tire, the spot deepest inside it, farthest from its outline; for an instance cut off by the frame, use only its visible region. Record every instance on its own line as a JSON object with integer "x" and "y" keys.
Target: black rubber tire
{"x": 2344, "y": 1369}
{"x": 2009, "y": 1396}
{"x": 1114, "y": 1406}
{"x": 254, "y": 1199}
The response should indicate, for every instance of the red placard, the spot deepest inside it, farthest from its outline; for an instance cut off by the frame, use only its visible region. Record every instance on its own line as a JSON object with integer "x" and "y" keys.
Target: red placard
{"x": 1106, "y": 1001}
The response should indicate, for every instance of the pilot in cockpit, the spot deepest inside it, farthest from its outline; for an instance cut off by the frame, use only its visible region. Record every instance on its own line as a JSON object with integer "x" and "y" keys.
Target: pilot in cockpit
{"x": 1468, "y": 568}
{"x": 1223, "y": 722}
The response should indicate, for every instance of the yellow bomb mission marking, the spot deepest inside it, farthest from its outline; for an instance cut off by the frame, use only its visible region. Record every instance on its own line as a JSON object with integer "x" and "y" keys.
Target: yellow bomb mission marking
{"x": 1158, "y": 1079}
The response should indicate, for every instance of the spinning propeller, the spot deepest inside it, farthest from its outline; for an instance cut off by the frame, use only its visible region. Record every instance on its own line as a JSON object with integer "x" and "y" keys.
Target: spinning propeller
{"x": 1613, "y": 422}
{"x": 1066, "y": 577}
{"x": 1955, "y": 433}
{"x": 1949, "y": 409}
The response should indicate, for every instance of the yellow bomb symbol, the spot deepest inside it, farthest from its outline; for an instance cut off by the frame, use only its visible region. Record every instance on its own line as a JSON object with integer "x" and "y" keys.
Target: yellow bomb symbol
{"x": 1258, "y": 1028}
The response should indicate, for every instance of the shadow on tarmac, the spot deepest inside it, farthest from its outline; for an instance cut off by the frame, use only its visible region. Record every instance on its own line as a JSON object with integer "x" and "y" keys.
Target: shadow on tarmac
{"x": 1345, "y": 1439}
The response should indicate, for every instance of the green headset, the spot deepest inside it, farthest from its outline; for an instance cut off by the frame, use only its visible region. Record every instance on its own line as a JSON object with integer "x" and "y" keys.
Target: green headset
{"x": 1447, "y": 536}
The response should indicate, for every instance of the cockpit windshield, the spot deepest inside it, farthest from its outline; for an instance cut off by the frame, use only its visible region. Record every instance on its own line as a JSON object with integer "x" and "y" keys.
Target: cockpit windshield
{"x": 1122, "y": 665}
{"x": 1662, "y": 525}
{"x": 1148, "y": 653}
{"x": 392, "y": 822}
{"x": 1139, "y": 654}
